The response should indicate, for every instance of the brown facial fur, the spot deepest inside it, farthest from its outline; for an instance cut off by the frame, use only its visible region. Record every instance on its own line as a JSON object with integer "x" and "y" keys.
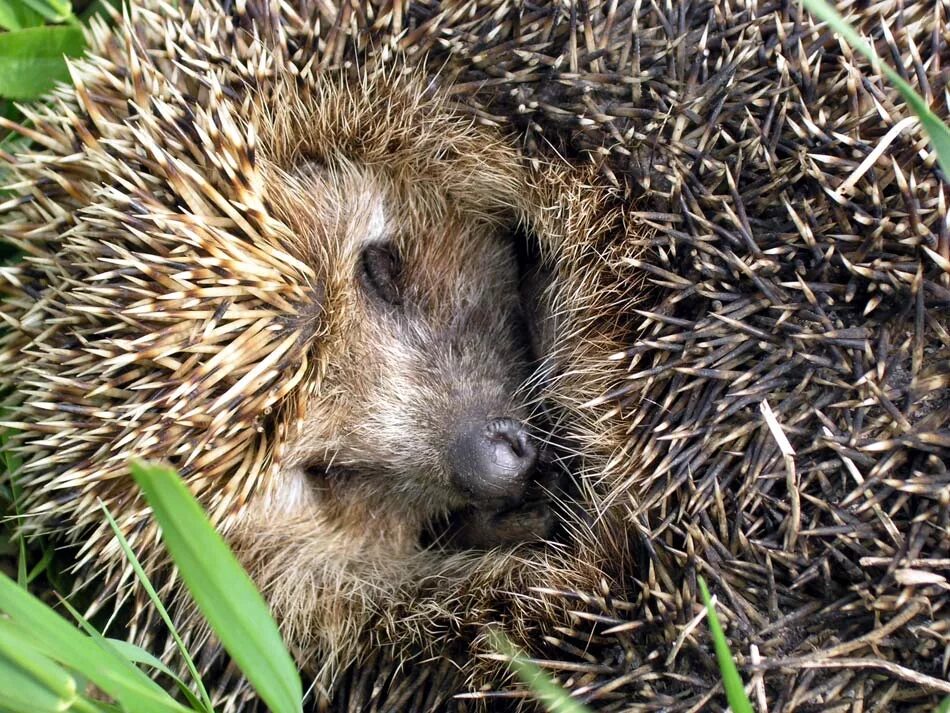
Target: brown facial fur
{"x": 398, "y": 380}
{"x": 365, "y": 470}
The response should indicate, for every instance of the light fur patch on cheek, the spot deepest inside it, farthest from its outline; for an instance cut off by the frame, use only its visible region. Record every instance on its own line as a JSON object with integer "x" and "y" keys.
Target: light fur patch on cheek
{"x": 292, "y": 497}
{"x": 401, "y": 395}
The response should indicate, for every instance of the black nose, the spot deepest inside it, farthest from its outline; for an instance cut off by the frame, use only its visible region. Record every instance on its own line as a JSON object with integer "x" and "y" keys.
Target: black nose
{"x": 493, "y": 461}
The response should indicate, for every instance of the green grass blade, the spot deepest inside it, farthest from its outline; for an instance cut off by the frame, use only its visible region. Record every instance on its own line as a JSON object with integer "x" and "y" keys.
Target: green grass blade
{"x": 222, "y": 590}
{"x": 22, "y": 694}
{"x": 554, "y": 698}
{"x": 944, "y": 706}
{"x": 138, "y": 655}
{"x": 34, "y": 683}
{"x": 30, "y": 681}
{"x": 735, "y": 691}
{"x": 160, "y": 608}
{"x": 59, "y": 640}
{"x": 39, "y": 567}
{"x": 135, "y": 655}
{"x": 11, "y": 464}
{"x": 937, "y": 131}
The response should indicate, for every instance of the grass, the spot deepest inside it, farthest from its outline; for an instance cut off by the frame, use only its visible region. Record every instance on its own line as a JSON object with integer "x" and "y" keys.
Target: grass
{"x": 202, "y": 701}
{"x": 35, "y": 38}
{"x": 936, "y": 130}
{"x": 556, "y": 700}
{"x": 731, "y": 681}
{"x": 223, "y": 592}
{"x": 48, "y": 664}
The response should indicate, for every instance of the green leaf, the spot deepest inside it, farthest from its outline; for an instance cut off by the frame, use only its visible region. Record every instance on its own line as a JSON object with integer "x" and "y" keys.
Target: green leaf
{"x": 735, "y": 691}
{"x": 552, "y": 697}
{"x": 138, "y": 655}
{"x": 31, "y": 60}
{"x": 23, "y": 694}
{"x": 39, "y": 567}
{"x": 11, "y": 463}
{"x": 207, "y": 705}
{"x": 222, "y": 590}
{"x": 30, "y": 681}
{"x": 130, "y": 652}
{"x": 57, "y": 639}
{"x": 16, "y": 15}
{"x": 52, "y": 10}
{"x": 34, "y": 683}
{"x": 944, "y": 706}
{"x": 937, "y": 131}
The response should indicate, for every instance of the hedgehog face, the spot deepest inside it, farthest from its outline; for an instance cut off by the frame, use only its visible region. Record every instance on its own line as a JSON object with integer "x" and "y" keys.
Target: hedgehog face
{"x": 426, "y": 349}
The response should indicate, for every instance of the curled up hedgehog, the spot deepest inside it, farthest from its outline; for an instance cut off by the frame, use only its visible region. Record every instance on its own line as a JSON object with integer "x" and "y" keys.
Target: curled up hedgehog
{"x": 493, "y": 314}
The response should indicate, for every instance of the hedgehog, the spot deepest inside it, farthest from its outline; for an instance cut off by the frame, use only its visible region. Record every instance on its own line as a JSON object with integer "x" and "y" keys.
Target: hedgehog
{"x": 320, "y": 323}
{"x": 733, "y": 260}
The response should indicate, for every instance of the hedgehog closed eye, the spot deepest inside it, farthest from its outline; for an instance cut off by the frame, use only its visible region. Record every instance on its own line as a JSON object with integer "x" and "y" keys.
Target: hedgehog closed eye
{"x": 380, "y": 267}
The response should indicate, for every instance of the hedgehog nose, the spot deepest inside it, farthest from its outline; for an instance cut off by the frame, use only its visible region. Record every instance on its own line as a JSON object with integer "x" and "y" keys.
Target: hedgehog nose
{"x": 493, "y": 461}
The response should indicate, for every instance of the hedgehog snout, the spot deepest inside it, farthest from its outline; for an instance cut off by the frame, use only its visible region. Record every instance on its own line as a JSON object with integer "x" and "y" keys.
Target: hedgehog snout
{"x": 492, "y": 461}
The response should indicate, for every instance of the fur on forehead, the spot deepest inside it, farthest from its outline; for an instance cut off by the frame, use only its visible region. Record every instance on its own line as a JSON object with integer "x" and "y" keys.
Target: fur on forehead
{"x": 395, "y": 126}
{"x": 333, "y": 210}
